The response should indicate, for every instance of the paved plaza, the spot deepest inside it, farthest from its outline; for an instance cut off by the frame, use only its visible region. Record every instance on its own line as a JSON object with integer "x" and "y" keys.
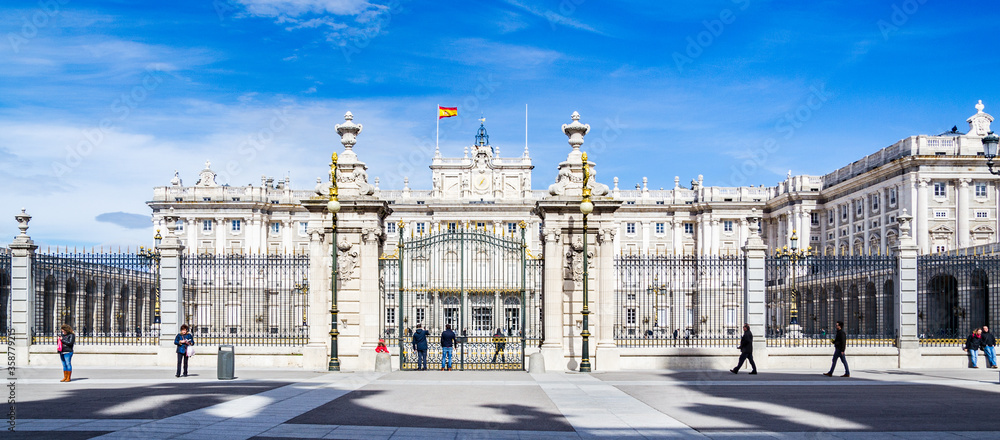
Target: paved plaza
{"x": 270, "y": 404}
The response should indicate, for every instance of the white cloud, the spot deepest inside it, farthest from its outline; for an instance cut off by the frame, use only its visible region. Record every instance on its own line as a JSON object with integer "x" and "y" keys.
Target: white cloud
{"x": 554, "y": 17}
{"x": 294, "y": 8}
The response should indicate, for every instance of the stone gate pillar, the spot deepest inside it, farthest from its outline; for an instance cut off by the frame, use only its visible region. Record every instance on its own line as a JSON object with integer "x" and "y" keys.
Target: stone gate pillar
{"x": 171, "y": 292}
{"x": 359, "y": 243}
{"x": 754, "y": 294}
{"x": 22, "y": 291}
{"x": 564, "y": 238}
{"x": 905, "y": 283}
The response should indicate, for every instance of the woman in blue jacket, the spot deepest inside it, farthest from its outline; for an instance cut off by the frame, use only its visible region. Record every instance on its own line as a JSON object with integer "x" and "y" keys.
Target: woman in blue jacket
{"x": 183, "y": 341}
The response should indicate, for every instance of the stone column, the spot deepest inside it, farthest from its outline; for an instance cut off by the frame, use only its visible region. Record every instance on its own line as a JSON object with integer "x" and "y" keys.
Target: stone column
{"x": 921, "y": 236}
{"x": 22, "y": 292}
{"x": 552, "y": 292}
{"x": 905, "y": 283}
{"x": 962, "y": 212}
{"x": 608, "y": 357}
{"x": 316, "y": 353}
{"x": 866, "y": 209}
{"x": 678, "y": 240}
{"x": 754, "y": 296}
{"x": 220, "y": 235}
{"x": 172, "y": 314}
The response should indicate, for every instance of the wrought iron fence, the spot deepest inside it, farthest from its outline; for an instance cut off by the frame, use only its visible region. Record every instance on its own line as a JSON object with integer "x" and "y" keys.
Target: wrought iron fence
{"x": 954, "y": 295}
{"x": 5, "y": 275}
{"x": 108, "y": 298}
{"x": 807, "y": 295}
{"x": 247, "y": 299}
{"x": 682, "y": 301}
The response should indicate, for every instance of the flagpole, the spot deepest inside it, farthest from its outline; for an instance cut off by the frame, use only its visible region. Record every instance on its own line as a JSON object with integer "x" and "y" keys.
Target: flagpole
{"x": 526, "y": 130}
{"x": 437, "y": 132}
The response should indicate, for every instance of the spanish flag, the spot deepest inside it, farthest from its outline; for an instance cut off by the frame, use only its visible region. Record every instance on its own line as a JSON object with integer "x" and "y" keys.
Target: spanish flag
{"x": 447, "y": 112}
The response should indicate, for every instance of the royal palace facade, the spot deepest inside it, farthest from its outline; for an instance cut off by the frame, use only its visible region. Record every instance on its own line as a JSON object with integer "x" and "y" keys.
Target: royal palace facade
{"x": 940, "y": 180}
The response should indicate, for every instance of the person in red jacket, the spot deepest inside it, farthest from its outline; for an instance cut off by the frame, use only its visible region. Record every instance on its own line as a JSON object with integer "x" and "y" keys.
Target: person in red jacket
{"x": 381, "y": 347}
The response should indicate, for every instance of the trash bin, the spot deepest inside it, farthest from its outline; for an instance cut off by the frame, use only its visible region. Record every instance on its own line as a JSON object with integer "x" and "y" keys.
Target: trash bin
{"x": 227, "y": 361}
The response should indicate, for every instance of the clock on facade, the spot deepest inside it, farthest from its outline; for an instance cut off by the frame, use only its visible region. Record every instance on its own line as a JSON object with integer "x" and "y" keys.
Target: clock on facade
{"x": 481, "y": 182}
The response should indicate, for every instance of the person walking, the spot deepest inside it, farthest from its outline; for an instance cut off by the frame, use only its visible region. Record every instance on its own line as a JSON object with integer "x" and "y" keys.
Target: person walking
{"x": 839, "y": 347}
{"x": 420, "y": 345}
{"x": 498, "y": 344}
{"x": 746, "y": 350}
{"x": 972, "y": 344}
{"x": 183, "y": 341}
{"x": 989, "y": 343}
{"x": 447, "y": 346}
{"x": 64, "y": 346}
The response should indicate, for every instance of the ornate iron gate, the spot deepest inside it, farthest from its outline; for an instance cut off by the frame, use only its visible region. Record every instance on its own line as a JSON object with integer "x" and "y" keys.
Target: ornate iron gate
{"x": 480, "y": 283}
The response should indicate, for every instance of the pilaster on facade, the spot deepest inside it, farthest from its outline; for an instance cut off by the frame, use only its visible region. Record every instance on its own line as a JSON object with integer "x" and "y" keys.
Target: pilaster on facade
{"x": 22, "y": 289}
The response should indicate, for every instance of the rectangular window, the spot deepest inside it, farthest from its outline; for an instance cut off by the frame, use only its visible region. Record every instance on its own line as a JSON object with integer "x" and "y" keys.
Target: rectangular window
{"x": 940, "y": 214}
{"x": 236, "y": 199}
{"x": 480, "y": 225}
{"x": 511, "y": 228}
{"x": 390, "y": 316}
{"x": 420, "y": 228}
{"x": 303, "y": 228}
{"x": 940, "y": 249}
{"x": 980, "y": 189}
{"x": 206, "y": 199}
{"x": 630, "y": 316}
{"x": 275, "y": 228}
{"x": 180, "y": 225}
{"x": 982, "y": 214}
{"x": 830, "y": 218}
{"x": 829, "y": 236}
{"x": 237, "y": 225}
{"x": 659, "y": 202}
{"x": 939, "y": 189}
{"x": 390, "y": 228}
{"x": 843, "y": 212}
{"x": 660, "y": 227}
{"x": 420, "y": 313}
{"x": 727, "y": 226}
{"x": 892, "y": 196}
{"x": 689, "y": 228}
{"x": 630, "y": 228}
{"x": 206, "y": 225}
{"x": 814, "y": 218}
{"x": 875, "y": 202}
{"x": 860, "y": 207}
{"x": 452, "y": 227}
{"x": 730, "y": 317}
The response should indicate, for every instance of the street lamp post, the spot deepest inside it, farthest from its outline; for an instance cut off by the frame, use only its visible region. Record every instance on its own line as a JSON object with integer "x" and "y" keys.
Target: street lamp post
{"x": 792, "y": 256}
{"x": 990, "y": 151}
{"x": 334, "y": 207}
{"x": 586, "y": 207}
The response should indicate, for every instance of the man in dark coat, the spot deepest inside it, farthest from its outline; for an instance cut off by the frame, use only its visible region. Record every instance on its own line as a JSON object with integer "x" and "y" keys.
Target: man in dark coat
{"x": 420, "y": 345}
{"x": 447, "y": 347}
{"x": 989, "y": 343}
{"x": 839, "y": 347}
{"x": 746, "y": 350}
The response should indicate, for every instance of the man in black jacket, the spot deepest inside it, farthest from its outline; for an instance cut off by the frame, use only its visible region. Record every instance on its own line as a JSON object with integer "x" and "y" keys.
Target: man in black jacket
{"x": 989, "y": 343}
{"x": 746, "y": 350}
{"x": 839, "y": 347}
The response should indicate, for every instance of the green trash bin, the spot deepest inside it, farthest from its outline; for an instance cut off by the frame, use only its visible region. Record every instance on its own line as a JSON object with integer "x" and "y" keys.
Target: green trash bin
{"x": 227, "y": 362}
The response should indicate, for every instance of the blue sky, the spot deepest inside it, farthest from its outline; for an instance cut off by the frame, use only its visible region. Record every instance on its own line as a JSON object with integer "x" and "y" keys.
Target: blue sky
{"x": 101, "y": 101}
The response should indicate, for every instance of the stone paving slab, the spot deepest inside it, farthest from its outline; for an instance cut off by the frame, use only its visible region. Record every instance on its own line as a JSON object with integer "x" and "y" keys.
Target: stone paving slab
{"x": 914, "y": 405}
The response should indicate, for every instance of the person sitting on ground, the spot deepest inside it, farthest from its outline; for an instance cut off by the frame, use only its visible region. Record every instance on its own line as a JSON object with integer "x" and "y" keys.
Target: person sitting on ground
{"x": 381, "y": 347}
